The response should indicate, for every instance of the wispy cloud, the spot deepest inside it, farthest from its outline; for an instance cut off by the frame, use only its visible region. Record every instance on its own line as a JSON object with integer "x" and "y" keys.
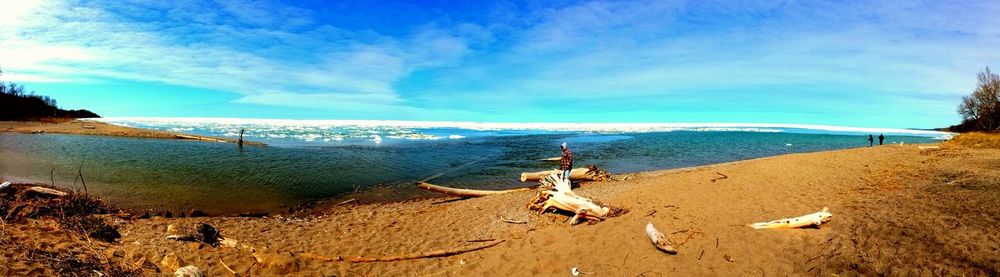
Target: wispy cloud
{"x": 269, "y": 54}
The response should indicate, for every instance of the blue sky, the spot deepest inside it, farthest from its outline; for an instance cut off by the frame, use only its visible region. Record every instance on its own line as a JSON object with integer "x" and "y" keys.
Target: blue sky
{"x": 851, "y": 63}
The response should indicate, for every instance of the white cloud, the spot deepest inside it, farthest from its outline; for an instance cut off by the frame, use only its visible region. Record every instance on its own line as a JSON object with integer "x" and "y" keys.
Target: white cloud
{"x": 236, "y": 47}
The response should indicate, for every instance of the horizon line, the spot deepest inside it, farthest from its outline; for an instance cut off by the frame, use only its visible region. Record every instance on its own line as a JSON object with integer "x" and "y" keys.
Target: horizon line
{"x": 486, "y": 125}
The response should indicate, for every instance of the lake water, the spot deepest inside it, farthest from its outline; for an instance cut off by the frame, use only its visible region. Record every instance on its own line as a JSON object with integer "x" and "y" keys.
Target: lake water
{"x": 310, "y": 163}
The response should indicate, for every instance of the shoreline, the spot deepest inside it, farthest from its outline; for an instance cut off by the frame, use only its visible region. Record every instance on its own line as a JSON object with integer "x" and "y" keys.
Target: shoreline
{"x": 884, "y": 199}
{"x": 98, "y": 128}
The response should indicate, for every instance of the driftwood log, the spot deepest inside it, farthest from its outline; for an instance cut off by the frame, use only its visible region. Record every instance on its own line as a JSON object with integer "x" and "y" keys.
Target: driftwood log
{"x": 554, "y": 192}
{"x": 465, "y": 192}
{"x": 589, "y": 173}
{"x": 46, "y": 191}
{"x": 814, "y": 219}
{"x": 428, "y": 254}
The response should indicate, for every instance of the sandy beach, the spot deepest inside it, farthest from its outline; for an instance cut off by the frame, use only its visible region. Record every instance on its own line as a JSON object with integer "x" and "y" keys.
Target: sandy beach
{"x": 898, "y": 210}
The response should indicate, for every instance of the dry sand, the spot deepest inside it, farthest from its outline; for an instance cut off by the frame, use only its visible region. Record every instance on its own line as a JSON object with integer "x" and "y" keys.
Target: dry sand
{"x": 898, "y": 210}
{"x": 87, "y": 127}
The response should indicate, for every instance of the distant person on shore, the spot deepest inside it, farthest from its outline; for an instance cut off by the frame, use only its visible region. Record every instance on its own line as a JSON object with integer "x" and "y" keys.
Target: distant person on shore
{"x": 566, "y": 163}
{"x": 881, "y": 137}
{"x": 871, "y": 140}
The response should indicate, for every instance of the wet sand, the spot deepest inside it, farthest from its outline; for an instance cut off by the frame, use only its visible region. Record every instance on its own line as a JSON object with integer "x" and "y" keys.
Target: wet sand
{"x": 896, "y": 210}
{"x": 94, "y": 128}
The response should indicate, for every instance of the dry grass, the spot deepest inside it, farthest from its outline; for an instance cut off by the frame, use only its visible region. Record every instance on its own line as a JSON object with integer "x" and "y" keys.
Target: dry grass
{"x": 978, "y": 140}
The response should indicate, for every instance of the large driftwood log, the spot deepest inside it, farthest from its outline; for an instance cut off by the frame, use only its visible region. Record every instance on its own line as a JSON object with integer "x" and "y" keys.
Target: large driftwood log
{"x": 465, "y": 192}
{"x": 814, "y": 219}
{"x": 589, "y": 173}
{"x": 554, "y": 192}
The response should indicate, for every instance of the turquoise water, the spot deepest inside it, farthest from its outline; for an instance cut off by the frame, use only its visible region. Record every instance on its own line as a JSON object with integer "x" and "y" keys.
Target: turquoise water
{"x": 222, "y": 178}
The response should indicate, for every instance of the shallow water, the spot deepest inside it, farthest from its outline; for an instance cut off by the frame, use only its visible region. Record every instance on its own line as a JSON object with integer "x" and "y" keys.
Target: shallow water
{"x": 223, "y": 178}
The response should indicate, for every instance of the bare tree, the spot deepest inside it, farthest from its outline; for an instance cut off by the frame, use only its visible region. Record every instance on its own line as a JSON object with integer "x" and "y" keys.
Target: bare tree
{"x": 982, "y": 107}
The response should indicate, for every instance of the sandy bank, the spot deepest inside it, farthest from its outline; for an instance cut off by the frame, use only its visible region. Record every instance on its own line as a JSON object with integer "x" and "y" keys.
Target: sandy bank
{"x": 897, "y": 209}
{"x": 85, "y": 127}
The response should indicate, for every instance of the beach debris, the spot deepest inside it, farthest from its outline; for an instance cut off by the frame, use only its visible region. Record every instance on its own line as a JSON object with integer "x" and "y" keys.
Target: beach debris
{"x": 346, "y": 201}
{"x": 4, "y": 186}
{"x": 46, "y": 191}
{"x": 465, "y": 192}
{"x": 576, "y": 271}
{"x": 226, "y": 266}
{"x": 721, "y": 177}
{"x": 928, "y": 147}
{"x": 38, "y": 131}
{"x": 511, "y": 221}
{"x": 189, "y": 271}
{"x": 171, "y": 262}
{"x": 198, "y": 232}
{"x": 589, "y": 173}
{"x": 276, "y": 263}
{"x": 659, "y": 240}
{"x": 554, "y": 192}
{"x": 428, "y": 254}
{"x": 728, "y": 258}
{"x": 553, "y": 159}
{"x": 89, "y": 127}
{"x": 814, "y": 219}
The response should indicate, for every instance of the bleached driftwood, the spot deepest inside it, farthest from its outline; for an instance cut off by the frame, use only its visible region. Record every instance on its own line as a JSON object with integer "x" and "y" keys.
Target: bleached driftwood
{"x": 929, "y": 147}
{"x": 589, "y": 173}
{"x": 556, "y": 193}
{"x": 428, "y": 254}
{"x": 4, "y": 186}
{"x": 553, "y": 159}
{"x": 465, "y": 192}
{"x": 813, "y": 219}
{"x": 46, "y": 191}
{"x": 575, "y": 174}
{"x": 659, "y": 240}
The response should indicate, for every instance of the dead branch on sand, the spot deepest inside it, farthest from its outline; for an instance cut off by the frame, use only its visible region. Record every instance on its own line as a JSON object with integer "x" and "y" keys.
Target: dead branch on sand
{"x": 429, "y": 254}
{"x": 720, "y": 178}
{"x": 465, "y": 192}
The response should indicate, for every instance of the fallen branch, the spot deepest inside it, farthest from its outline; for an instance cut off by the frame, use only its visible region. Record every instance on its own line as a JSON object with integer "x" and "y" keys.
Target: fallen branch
{"x": 429, "y": 254}
{"x": 46, "y": 191}
{"x": 224, "y": 265}
{"x": 720, "y": 178}
{"x": 4, "y": 186}
{"x": 513, "y": 221}
{"x": 465, "y": 192}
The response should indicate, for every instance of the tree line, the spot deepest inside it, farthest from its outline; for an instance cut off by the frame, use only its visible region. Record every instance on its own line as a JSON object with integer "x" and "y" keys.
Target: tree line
{"x": 981, "y": 110}
{"x": 16, "y": 104}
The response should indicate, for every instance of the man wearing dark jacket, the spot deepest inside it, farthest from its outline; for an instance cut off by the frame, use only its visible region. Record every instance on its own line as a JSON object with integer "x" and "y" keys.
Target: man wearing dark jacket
{"x": 566, "y": 163}
{"x": 881, "y": 137}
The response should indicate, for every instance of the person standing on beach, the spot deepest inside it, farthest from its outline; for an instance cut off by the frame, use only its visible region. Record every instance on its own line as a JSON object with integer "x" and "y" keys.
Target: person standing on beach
{"x": 566, "y": 163}
{"x": 881, "y": 137}
{"x": 871, "y": 140}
